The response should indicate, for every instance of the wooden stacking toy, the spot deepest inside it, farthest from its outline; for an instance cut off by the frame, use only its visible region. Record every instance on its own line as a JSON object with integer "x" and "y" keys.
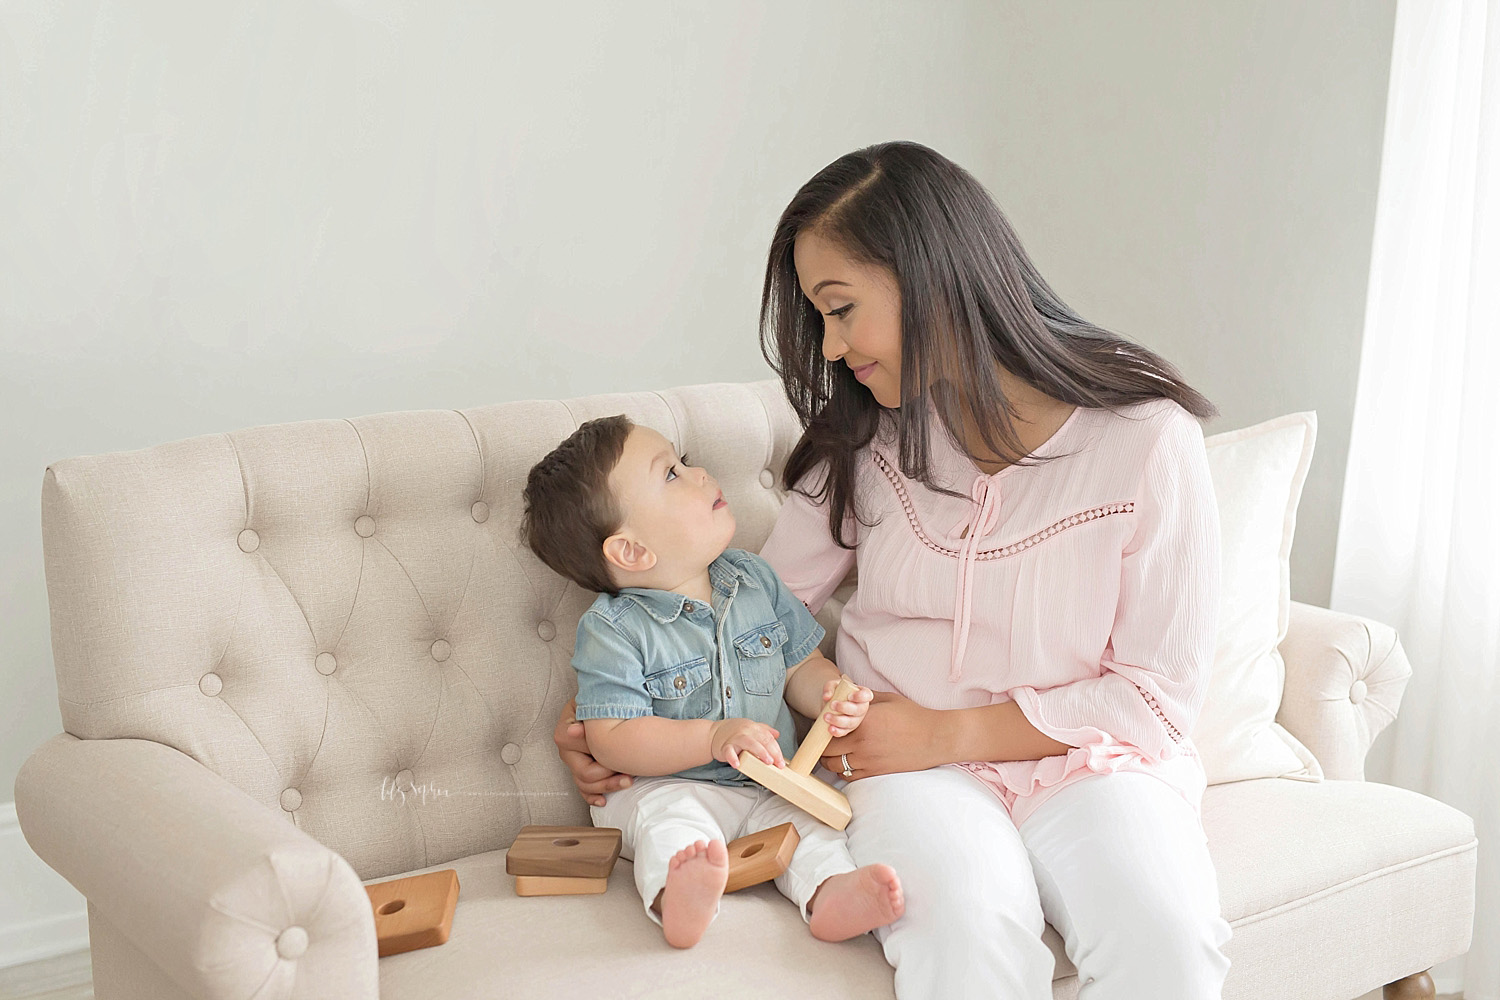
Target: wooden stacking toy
{"x": 413, "y": 912}
{"x": 760, "y": 857}
{"x": 795, "y": 782}
{"x": 563, "y": 860}
{"x": 577, "y": 860}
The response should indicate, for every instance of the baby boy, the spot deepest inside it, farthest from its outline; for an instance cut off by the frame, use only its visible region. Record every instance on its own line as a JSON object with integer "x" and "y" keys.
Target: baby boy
{"x": 689, "y": 657}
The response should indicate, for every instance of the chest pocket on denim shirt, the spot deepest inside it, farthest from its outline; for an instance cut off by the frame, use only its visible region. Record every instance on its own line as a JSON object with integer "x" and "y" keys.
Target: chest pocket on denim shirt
{"x": 683, "y": 691}
{"x": 762, "y": 666}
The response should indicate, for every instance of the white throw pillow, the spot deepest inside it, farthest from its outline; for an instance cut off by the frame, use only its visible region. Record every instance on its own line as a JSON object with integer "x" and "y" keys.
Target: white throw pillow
{"x": 1258, "y": 474}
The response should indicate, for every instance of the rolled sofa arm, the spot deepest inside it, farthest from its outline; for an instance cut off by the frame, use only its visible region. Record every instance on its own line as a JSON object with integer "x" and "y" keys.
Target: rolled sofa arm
{"x": 230, "y": 899}
{"x": 1344, "y": 679}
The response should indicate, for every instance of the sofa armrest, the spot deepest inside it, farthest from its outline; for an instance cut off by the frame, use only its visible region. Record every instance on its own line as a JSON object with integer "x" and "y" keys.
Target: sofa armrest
{"x": 227, "y": 897}
{"x": 1344, "y": 679}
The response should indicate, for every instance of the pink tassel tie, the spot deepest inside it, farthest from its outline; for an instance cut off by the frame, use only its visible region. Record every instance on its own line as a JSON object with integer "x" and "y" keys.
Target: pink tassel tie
{"x": 983, "y": 519}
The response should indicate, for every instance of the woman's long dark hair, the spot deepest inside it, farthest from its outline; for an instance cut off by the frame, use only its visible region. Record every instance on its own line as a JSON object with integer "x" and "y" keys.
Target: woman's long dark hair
{"x": 970, "y": 297}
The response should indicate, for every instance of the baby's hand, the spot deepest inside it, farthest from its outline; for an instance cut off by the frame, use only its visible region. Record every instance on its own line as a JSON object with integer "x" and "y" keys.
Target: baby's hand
{"x": 731, "y": 737}
{"x": 843, "y": 717}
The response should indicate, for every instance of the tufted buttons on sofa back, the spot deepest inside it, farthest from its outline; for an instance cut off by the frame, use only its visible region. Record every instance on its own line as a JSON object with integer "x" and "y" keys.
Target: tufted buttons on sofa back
{"x": 338, "y": 617}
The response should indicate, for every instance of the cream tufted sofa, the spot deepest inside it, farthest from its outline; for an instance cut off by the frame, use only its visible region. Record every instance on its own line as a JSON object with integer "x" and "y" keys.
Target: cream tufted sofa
{"x": 298, "y": 657}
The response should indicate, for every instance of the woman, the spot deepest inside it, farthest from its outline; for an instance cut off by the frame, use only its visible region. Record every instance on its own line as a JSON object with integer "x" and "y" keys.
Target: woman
{"x": 1027, "y": 500}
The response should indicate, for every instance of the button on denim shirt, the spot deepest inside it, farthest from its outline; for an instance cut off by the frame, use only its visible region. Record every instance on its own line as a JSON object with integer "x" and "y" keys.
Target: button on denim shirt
{"x": 656, "y": 652}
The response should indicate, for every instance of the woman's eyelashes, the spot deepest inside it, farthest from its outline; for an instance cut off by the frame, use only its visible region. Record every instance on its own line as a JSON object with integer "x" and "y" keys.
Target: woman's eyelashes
{"x": 841, "y": 310}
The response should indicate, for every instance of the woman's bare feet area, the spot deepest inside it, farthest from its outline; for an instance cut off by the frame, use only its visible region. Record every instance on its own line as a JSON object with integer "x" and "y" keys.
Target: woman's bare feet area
{"x": 850, "y": 904}
{"x": 695, "y": 880}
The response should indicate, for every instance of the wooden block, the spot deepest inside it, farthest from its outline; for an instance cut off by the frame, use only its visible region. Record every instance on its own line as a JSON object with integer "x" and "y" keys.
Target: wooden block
{"x": 760, "y": 857}
{"x": 823, "y": 802}
{"x": 565, "y": 851}
{"x": 558, "y": 885}
{"x": 413, "y": 912}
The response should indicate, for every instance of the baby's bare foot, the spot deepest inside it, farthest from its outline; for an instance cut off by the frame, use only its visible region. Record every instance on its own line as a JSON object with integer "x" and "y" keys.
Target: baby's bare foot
{"x": 850, "y": 904}
{"x": 695, "y": 881}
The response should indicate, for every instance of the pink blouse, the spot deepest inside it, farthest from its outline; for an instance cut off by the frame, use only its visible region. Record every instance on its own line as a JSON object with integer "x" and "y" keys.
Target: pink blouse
{"x": 1085, "y": 589}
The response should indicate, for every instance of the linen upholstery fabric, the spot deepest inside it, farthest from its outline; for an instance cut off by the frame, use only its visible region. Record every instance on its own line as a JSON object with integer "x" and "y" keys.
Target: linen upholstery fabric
{"x": 121, "y": 971}
{"x": 333, "y": 623}
{"x": 1258, "y": 473}
{"x": 328, "y": 613}
{"x": 1379, "y": 844}
{"x": 1344, "y": 679}
{"x": 222, "y": 887}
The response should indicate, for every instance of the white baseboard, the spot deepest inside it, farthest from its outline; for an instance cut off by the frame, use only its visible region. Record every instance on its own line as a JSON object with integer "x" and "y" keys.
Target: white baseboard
{"x": 41, "y": 915}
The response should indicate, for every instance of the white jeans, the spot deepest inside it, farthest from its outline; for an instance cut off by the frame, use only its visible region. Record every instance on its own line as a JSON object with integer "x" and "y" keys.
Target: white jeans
{"x": 1118, "y": 863}
{"x": 659, "y": 816}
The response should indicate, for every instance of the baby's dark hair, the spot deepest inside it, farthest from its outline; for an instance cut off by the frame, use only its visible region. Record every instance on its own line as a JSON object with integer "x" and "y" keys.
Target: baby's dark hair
{"x": 569, "y": 509}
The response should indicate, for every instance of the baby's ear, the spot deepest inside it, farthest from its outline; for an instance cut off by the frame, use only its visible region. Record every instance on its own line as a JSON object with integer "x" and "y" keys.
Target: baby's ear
{"x": 628, "y": 555}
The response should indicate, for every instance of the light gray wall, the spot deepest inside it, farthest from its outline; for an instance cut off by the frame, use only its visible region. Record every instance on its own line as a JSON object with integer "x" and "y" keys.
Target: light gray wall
{"x": 214, "y": 216}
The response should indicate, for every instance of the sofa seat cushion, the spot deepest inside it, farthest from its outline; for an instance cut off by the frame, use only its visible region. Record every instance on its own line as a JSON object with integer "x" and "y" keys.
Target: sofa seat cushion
{"x": 1377, "y": 881}
{"x": 504, "y": 945}
{"x": 1302, "y": 866}
{"x": 1279, "y": 844}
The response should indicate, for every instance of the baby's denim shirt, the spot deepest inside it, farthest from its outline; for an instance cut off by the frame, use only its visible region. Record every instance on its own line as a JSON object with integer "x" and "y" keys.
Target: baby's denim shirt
{"x": 656, "y": 652}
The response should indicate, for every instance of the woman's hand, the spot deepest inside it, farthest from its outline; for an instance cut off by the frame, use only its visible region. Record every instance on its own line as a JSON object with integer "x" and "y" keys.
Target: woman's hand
{"x": 592, "y": 778}
{"x": 897, "y": 735}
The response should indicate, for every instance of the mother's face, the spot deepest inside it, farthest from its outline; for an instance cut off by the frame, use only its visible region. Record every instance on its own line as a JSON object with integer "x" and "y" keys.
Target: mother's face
{"x": 861, "y": 306}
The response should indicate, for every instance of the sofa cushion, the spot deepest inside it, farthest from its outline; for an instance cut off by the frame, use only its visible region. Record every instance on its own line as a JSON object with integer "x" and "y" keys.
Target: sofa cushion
{"x": 544, "y": 947}
{"x": 1378, "y": 879}
{"x": 1363, "y": 852}
{"x": 1278, "y": 843}
{"x": 338, "y": 617}
{"x": 1258, "y": 474}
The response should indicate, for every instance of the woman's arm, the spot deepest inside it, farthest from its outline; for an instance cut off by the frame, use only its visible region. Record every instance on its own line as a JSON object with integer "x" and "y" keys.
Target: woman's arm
{"x": 996, "y": 732}
{"x": 900, "y": 735}
{"x": 593, "y": 779}
{"x": 801, "y": 549}
{"x": 1155, "y": 667}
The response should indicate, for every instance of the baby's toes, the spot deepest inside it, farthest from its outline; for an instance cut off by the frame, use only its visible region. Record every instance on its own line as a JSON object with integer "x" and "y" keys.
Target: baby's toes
{"x": 685, "y": 854}
{"x": 897, "y": 897}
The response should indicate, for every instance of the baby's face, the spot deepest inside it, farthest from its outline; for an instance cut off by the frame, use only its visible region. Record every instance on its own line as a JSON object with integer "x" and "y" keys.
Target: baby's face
{"x": 674, "y": 509}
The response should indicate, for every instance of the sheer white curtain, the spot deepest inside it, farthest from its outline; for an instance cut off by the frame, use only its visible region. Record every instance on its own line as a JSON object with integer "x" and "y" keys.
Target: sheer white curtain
{"x": 1419, "y": 533}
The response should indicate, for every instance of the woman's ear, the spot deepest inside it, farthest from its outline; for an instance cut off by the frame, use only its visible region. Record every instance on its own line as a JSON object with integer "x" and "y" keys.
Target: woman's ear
{"x": 628, "y": 555}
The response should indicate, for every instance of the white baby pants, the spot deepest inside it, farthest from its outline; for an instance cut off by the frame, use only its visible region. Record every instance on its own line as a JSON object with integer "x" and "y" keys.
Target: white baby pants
{"x": 1117, "y": 862}
{"x": 659, "y": 816}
